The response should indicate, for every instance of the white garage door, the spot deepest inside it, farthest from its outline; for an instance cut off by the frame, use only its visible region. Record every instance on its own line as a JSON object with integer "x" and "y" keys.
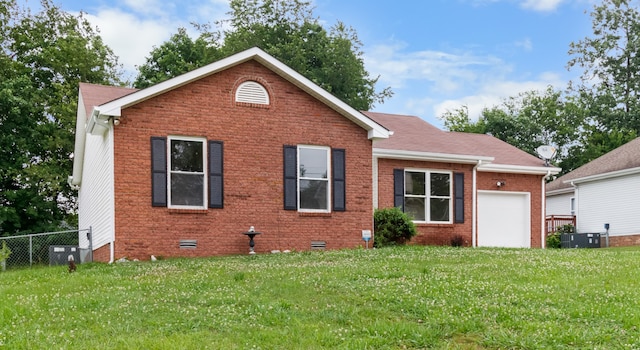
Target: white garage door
{"x": 504, "y": 219}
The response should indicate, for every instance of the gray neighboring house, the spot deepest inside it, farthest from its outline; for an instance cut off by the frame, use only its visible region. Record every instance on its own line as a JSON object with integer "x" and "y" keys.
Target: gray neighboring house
{"x": 603, "y": 191}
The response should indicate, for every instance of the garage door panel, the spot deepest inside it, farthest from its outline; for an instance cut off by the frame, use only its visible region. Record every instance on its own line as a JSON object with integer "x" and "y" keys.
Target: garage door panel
{"x": 504, "y": 219}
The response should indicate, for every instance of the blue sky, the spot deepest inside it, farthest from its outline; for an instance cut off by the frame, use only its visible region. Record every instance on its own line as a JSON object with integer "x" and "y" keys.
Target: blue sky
{"x": 436, "y": 55}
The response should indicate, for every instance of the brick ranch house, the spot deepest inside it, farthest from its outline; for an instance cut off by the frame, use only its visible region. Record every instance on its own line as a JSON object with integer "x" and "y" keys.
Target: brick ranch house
{"x": 184, "y": 167}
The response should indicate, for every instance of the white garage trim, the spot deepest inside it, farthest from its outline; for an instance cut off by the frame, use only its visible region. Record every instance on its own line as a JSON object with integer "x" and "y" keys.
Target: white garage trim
{"x": 504, "y": 219}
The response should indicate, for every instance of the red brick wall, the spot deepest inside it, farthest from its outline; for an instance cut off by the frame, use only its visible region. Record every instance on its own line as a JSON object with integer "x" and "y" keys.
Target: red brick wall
{"x": 620, "y": 241}
{"x": 253, "y": 139}
{"x": 429, "y": 234}
{"x": 441, "y": 234}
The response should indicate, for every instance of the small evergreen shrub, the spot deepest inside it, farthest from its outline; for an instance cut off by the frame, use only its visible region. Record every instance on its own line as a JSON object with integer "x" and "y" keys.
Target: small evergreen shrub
{"x": 553, "y": 240}
{"x": 391, "y": 226}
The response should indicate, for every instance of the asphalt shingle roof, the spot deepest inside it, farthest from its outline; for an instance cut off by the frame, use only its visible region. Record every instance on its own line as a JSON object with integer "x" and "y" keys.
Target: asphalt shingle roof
{"x": 412, "y": 133}
{"x": 624, "y": 157}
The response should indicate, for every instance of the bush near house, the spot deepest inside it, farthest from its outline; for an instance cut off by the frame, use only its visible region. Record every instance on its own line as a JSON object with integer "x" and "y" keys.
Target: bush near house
{"x": 554, "y": 241}
{"x": 392, "y": 227}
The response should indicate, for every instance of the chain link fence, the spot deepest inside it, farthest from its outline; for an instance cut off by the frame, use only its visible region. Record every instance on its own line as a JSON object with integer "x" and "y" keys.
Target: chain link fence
{"x": 47, "y": 248}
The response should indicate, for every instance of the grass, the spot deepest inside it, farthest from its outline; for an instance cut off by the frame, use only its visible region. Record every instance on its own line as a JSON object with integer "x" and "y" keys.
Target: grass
{"x": 393, "y": 298}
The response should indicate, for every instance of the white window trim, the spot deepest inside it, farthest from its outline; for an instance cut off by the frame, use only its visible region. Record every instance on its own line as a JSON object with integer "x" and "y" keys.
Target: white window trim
{"x": 427, "y": 196}
{"x": 204, "y": 172}
{"x": 572, "y": 205}
{"x": 328, "y": 179}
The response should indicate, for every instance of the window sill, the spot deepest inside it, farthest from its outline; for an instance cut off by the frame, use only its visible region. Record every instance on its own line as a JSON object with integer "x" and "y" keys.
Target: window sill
{"x": 314, "y": 214}
{"x": 188, "y": 211}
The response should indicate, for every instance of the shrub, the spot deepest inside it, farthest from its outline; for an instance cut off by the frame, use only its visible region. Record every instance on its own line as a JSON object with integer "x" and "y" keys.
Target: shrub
{"x": 568, "y": 228}
{"x": 391, "y": 226}
{"x": 553, "y": 240}
{"x": 457, "y": 241}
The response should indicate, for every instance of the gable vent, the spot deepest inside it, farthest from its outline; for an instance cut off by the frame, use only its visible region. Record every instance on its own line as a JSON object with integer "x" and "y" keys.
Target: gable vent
{"x": 188, "y": 244}
{"x": 252, "y": 92}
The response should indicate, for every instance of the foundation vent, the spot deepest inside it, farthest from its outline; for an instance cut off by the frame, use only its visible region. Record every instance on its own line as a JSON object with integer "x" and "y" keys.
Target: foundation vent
{"x": 318, "y": 245}
{"x": 188, "y": 244}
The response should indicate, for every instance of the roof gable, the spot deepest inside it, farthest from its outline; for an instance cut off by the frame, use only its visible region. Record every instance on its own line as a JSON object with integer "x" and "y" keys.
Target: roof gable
{"x": 623, "y": 158}
{"x": 114, "y": 108}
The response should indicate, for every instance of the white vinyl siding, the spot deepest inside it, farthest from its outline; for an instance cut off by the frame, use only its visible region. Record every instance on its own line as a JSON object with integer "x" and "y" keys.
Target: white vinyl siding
{"x": 559, "y": 204}
{"x": 613, "y": 201}
{"x": 96, "y": 194}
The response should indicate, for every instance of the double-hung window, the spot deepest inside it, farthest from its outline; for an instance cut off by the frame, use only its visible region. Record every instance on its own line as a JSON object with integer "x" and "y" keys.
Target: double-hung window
{"x": 313, "y": 178}
{"x": 427, "y": 195}
{"x": 187, "y": 164}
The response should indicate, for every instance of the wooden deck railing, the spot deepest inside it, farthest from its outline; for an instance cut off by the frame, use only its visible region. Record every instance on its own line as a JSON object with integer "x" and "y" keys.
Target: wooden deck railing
{"x": 553, "y": 222}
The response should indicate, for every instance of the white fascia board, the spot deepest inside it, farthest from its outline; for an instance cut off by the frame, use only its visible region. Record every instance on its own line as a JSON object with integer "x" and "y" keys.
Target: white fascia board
{"x": 560, "y": 191}
{"x": 605, "y": 176}
{"x": 375, "y": 130}
{"x": 519, "y": 169}
{"x": 429, "y": 156}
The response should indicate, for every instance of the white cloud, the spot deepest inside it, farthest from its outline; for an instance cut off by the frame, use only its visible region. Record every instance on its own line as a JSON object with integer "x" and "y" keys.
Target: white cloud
{"x": 443, "y": 71}
{"x": 542, "y": 5}
{"x": 130, "y": 37}
{"x": 493, "y": 93}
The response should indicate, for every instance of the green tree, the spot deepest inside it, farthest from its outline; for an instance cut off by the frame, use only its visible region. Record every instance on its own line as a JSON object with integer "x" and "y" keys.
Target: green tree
{"x": 527, "y": 121}
{"x": 285, "y": 29}
{"x": 611, "y": 64}
{"x": 178, "y": 55}
{"x": 43, "y": 58}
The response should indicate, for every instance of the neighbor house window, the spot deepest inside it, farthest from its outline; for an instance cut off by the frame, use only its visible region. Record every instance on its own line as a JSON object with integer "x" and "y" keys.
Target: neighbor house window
{"x": 427, "y": 195}
{"x": 187, "y": 164}
{"x": 573, "y": 206}
{"x": 313, "y": 178}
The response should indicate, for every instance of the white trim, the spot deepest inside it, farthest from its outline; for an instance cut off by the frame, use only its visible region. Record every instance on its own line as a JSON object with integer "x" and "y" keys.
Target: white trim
{"x": 328, "y": 178}
{"x": 204, "y": 171}
{"x": 519, "y": 169}
{"x": 427, "y": 195}
{"x": 560, "y": 191}
{"x": 375, "y": 182}
{"x": 429, "y": 156}
{"x": 375, "y": 130}
{"x": 604, "y": 176}
{"x": 474, "y": 205}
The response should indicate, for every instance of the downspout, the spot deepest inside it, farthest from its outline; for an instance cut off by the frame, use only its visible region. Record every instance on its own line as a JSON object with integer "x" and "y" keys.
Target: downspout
{"x": 543, "y": 232}
{"x": 112, "y": 252}
{"x": 474, "y": 205}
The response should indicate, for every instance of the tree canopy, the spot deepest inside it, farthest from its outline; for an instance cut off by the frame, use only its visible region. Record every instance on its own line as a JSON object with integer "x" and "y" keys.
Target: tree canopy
{"x": 43, "y": 57}
{"x": 285, "y": 29}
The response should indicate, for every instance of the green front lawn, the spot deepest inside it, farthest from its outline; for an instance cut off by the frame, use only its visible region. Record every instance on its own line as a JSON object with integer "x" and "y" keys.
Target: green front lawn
{"x": 391, "y": 298}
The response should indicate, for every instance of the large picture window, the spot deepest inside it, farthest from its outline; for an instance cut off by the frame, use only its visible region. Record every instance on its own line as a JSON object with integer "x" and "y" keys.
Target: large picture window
{"x": 313, "y": 178}
{"x": 187, "y": 164}
{"x": 427, "y": 195}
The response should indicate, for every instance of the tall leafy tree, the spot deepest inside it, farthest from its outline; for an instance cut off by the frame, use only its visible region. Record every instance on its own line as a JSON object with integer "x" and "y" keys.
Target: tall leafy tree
{"x": 287, "y": 30}
{"x": 611, "y": 64}
{"x": 43, "y": 57}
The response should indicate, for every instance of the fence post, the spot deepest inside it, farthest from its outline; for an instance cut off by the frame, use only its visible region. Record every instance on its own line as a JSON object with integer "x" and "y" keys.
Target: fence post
{"x": 30, "y": 250}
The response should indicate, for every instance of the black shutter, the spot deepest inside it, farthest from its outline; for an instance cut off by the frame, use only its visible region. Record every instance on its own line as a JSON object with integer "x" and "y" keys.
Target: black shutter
{"x": 338, "y": 166}
{"x": 216, "y": 183}
{"x": 290, "y": 177}
{"x": 398, "y": 188}
{"x": 159, "y": 171}
{"x": 458, "y": 194}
